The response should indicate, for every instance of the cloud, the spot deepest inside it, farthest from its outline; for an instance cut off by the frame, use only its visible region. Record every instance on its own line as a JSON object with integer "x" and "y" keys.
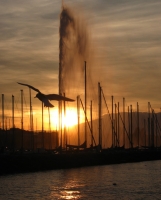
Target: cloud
{"x": 125, "y": 35}
{"x": 128, "y": 38}
{"x": 29, "y": 40}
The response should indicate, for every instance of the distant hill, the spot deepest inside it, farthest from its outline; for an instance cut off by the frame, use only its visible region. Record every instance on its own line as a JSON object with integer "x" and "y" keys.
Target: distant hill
{"x": 154, "y": 126}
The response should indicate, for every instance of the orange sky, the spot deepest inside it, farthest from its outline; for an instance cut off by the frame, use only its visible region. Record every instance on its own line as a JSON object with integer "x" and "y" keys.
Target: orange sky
{"x": 125, "y": 36}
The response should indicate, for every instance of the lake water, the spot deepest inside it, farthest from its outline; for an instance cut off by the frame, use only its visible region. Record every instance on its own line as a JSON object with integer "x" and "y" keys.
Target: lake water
{"x": 123, "y": 181}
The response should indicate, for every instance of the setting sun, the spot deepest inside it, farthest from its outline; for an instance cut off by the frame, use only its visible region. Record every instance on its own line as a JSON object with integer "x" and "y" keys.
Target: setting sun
{"x": 69, "y": 120}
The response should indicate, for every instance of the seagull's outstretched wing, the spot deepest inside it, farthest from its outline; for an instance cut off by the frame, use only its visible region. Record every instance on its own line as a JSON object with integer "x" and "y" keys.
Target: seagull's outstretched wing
{"x": 57, "y": 97}
{"x": 29, "y": 86}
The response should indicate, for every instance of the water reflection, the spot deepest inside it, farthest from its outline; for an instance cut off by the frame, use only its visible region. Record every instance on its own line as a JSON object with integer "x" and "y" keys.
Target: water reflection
{"x": 70, "y": 194}
{"x": 134, "y": 181}
{"x": 71, "y": 190}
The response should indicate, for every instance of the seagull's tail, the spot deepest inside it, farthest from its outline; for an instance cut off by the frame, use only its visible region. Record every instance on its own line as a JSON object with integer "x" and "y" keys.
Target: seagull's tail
{"x": 47, "y": 103}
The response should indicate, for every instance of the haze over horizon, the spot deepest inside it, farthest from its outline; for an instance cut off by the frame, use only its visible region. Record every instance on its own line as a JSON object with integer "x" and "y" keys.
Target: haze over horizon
{"x": 124, "y": 34}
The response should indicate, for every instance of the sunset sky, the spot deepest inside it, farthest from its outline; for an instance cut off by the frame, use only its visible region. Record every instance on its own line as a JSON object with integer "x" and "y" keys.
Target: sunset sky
{"x": 125, "y": 35}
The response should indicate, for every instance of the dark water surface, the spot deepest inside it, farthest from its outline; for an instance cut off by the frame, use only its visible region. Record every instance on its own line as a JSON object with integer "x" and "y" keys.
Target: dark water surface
{"x": 122, "y": 181}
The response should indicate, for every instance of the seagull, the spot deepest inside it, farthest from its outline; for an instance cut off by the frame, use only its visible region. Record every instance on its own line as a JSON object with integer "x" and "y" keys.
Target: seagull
{"x": 46, "y": 97}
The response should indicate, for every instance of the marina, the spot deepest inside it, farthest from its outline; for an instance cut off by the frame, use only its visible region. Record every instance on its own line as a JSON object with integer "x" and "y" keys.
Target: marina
{"x": 80, "y": 100}
{"x": 104, "y": 130}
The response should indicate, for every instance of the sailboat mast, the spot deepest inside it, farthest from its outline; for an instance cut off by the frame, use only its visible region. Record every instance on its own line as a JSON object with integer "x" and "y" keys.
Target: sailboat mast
{"x": 152, "y": 129}
{"x": 131, "y": 128}
{"x": 22, "y": 118}
{"x": 65, "y": 126}
{"x": 3, "y": 112}
{"x": 60, "y": 122}
{"x": 13, "y": 126}
{"x": 42, "y": 125}
{"x": 85, "y": 100}
{"x": 118, "y": 127}
{"x": 31, "y": 122}
{"x": 112, "y": 124}
{"x": 91, "y": 125}
{"x": 115, "y": 125}
{"x": 78, "y": 115}
{"x": 99, "y": 115}
{"x": 124, "y": 121}
{"x": 149, "y": 127}
{"x": 138, "y": 124}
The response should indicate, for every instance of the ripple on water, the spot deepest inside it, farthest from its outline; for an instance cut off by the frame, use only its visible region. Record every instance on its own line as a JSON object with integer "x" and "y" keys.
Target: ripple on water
{"x": 133, "y": 181}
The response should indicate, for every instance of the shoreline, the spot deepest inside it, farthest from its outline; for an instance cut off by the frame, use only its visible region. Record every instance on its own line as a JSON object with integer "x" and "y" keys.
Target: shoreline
{"x": 34, "y": 162}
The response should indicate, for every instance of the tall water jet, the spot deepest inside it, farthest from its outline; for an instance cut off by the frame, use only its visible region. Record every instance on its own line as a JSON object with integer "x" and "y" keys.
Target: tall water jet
{"x": 74, "y": 50}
